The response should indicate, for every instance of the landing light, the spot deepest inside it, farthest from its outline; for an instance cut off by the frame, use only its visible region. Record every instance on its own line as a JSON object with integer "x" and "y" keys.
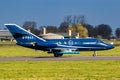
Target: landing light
{"x": 112, "y": 43}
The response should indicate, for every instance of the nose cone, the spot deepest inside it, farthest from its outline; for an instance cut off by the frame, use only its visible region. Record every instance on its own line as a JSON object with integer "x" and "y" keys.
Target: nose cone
{"x": 110, "y": 46}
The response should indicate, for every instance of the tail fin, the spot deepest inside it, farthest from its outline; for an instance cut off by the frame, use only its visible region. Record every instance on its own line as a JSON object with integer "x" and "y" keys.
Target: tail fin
{"x": 22, "y": 36}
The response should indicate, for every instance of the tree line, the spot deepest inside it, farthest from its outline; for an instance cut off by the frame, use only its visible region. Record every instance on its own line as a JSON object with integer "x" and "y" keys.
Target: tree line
{"x": 77, "y": 24}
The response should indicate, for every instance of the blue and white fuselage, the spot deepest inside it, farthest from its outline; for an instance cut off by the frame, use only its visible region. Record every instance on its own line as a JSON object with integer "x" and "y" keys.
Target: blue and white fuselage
{"x": 82, "y": 44}
{"x": 56, "y": 46}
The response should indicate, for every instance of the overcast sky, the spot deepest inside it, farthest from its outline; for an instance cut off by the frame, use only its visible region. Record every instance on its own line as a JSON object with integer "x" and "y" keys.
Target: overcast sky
{"x": 52, "y": 12}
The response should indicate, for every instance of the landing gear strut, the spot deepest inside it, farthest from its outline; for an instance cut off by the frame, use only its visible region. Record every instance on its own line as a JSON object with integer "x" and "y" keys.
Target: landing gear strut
{"x": 95, "y": 53}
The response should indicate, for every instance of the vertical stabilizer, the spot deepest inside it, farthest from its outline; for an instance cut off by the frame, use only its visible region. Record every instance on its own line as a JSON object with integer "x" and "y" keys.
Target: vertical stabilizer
{"x": 23, "y": 36}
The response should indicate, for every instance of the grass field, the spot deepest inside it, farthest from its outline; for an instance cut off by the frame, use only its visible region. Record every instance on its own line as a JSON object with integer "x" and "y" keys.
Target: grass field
{"x": 60, "y": 70}
{"x": 57, "y": 70}
{"x": 14, "y": 50}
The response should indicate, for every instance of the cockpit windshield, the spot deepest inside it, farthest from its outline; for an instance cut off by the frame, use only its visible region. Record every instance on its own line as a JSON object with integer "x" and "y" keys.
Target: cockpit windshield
{"x": 100, "y": 41}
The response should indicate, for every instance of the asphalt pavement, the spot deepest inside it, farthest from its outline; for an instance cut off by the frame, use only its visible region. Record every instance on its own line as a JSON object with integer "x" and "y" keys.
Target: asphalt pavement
{"x": 64, "y": 58}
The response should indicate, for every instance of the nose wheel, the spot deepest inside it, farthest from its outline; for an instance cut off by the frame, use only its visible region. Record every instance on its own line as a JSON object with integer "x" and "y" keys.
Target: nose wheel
{"x": 95, "y": 53}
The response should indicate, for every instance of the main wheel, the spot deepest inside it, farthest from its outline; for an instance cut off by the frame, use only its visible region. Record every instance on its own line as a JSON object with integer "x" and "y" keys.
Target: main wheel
{"x": 58, "y": 55}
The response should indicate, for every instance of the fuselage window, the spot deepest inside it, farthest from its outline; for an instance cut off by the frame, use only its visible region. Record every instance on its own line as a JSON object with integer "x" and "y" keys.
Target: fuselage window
{"x": 59, "y": 42}
{"x": 76, "y": 43}
{"x": 70, "y": 42}
{"x": 65, "y": 42}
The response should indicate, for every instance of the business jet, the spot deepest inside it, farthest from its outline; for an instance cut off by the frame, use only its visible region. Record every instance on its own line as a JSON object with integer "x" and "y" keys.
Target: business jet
{"x": 56, "y": 46}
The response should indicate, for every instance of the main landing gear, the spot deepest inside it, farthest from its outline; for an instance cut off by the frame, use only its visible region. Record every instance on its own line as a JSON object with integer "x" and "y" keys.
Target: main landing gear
{"x": 94, "y": 54}
{"x": 58, "y": 55}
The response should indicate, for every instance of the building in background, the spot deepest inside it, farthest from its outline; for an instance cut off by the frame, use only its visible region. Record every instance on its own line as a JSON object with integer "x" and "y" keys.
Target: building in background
{"x": 58, "y": 35}
{"x": 5, "y": 35}
{"x": 51, "y": 36}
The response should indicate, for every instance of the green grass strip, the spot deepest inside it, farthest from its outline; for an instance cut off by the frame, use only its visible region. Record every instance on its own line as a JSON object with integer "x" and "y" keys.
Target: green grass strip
{"x": 60, "y": 70}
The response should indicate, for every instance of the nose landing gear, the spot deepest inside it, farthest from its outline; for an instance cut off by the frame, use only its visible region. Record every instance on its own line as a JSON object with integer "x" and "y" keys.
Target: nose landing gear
{"x": 95, "y": 53}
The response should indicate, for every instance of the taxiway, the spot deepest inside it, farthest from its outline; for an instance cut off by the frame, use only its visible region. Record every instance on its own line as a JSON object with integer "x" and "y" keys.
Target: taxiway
{"x": 64, "y": 58}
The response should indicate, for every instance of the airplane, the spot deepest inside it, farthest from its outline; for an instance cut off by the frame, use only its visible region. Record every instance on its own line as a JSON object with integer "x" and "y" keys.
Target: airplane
{"x": 56, "y": 46}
